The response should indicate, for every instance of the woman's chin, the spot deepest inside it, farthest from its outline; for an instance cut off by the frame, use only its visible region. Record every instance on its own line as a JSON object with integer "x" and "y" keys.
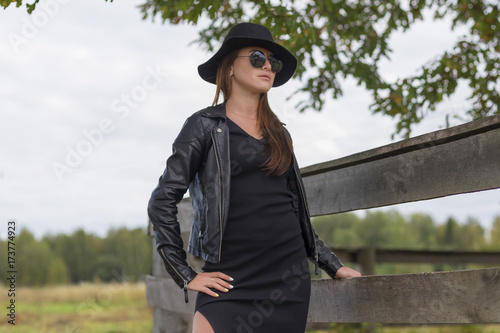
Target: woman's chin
{"x": 264, "y": 87}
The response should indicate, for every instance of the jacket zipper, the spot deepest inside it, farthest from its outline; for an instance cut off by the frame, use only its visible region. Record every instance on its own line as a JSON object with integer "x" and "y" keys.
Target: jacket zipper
{"x": 186, "y": 298}
{"x": 220, "y": 198}
{"x": 307, "y": 211}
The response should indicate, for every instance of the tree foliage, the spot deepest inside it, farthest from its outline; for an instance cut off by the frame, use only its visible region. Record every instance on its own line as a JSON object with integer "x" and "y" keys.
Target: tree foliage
{"x": 334, "y": 40}
{"x": 391, "y": 230}
{"x": 123, "y": 255}
{"x": 337, "y": 39}
{"x": 30, "y": 7}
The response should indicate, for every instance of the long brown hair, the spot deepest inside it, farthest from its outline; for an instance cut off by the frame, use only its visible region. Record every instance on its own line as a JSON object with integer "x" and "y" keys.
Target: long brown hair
{"x": 279, "y": 145}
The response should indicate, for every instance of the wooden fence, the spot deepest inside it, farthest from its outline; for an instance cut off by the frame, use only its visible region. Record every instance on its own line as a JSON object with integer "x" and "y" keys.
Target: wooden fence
{"x": 367, "y": 258}
{"x": 457, "y": 160}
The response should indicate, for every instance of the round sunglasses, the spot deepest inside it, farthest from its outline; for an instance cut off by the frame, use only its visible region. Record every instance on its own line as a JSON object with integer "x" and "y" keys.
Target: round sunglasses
{"x": 258, "y": 59}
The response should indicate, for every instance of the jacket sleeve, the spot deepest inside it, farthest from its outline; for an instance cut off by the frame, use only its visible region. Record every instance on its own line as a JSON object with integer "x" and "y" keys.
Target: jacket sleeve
{"x": 327, "y": 260}
{"x": 182, "y": 165}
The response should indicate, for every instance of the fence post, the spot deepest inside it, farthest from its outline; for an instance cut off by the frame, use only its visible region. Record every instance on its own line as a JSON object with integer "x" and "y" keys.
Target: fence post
{"x": 366, "y": 261}
{"x": 165, "y": 321}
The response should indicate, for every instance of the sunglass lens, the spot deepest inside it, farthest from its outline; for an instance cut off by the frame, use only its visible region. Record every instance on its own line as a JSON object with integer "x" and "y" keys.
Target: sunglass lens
{"x": 276, "y": 65}
{"x": 258, "y": 59}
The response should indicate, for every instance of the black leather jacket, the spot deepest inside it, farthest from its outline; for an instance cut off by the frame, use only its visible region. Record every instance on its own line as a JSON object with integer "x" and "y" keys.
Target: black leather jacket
{"x": 200, "y": 161}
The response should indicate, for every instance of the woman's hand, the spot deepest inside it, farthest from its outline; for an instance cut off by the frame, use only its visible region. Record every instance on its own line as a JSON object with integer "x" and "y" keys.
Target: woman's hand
{"x": 215, "y": 280}
{"x": 346, "y": 272}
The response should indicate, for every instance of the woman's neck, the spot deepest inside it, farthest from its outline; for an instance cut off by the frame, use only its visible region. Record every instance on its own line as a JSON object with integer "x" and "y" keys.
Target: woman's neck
{"x": 243, "y": 105}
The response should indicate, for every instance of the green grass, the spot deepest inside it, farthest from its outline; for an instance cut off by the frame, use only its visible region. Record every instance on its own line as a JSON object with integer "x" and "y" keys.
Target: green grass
{"x": 99, "y": 308}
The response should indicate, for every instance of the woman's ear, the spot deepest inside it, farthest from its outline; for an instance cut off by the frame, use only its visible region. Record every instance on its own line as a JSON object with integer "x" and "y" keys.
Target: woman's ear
{"x": 231, "y": 73}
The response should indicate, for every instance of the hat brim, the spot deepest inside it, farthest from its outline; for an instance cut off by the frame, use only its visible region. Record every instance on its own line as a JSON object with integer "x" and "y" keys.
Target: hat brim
{"x": 208, "y": 70}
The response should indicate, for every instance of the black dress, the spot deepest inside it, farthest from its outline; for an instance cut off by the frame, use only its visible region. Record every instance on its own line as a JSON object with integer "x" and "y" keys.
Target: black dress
{"x": 262, "y": 249}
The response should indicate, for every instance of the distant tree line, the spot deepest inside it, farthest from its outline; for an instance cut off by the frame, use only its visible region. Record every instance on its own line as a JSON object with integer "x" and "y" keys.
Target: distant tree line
{"x": 126, "y": 254}
{"x": 123, "y": 255}
{"x": 391, "y": 230}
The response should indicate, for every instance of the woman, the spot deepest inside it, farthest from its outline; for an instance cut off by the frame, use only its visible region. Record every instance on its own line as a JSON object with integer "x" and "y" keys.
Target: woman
{"x": 251, "y": 221}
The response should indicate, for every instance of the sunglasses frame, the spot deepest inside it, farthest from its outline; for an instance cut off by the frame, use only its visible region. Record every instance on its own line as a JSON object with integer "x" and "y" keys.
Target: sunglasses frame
{"x": 258, "y": 60}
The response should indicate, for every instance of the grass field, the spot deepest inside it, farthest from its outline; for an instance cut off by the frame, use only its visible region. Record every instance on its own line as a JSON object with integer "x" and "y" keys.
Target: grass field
{"x": 99, "y": 308}
{"x": 122, "y": 308}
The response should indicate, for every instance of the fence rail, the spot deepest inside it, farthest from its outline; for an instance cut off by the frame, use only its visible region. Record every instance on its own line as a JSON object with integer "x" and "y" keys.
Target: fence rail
{"x": 457, "y": 160}
{"x": 367, "y": 258}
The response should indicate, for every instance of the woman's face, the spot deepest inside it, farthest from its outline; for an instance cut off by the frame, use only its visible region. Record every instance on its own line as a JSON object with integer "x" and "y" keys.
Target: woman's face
{"x": 244, "y": 76}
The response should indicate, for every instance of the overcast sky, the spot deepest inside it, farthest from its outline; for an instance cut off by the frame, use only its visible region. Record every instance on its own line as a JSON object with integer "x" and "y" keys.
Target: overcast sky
{"x": 92, "y": 96}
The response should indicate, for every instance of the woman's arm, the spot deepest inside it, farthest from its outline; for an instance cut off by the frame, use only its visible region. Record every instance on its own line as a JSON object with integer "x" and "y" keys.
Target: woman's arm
{"x": 330, "y": 263}
{"x": 327, "y": 260}
{"x": 182, "y": 165}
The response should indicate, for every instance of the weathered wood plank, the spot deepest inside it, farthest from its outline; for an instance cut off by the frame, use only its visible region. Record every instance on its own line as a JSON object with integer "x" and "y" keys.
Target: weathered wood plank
{"x": 432, "y": 257}
{"x": 417, "y": 143}
{"x": 461, "y": 166}
{"x": 458, "y": 297}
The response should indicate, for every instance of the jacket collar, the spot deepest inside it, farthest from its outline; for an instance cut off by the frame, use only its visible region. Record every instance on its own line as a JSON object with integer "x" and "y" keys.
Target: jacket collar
{"x": 218, "y": 110}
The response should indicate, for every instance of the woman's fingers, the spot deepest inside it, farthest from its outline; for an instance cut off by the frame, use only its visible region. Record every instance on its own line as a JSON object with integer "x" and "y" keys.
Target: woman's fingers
{"x": 222, "y": 280}
{"x": 210, "y": 292}
{"x": 346, "y": 272}
{"x": 222, "y": 276}
{"x": 219, "y": 281}
{"x": 214, "y": 280}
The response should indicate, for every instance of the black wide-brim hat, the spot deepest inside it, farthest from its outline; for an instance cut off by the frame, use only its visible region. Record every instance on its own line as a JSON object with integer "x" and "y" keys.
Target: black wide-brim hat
{"x": 250, "y": 34}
